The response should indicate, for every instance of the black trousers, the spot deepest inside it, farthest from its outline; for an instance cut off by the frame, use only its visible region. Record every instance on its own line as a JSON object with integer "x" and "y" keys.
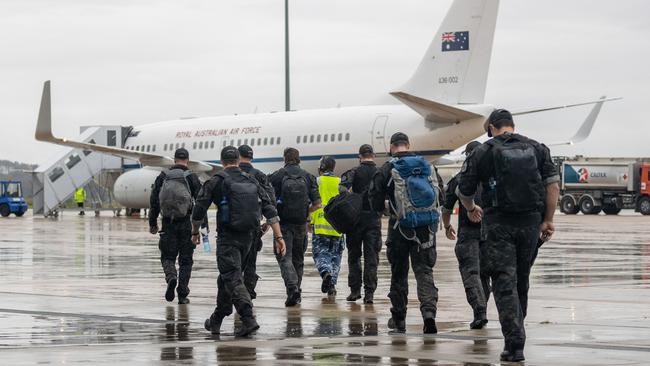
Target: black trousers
{"x": 250, "y": 264}
{"x": 477, "y": 286}
{"x": 232, "y": 249}
{"x": 176, "y": 242}
{"x": 399, "y": 251}
{"x": 366, "y": 241}
{"x": 293, "y": 263}
{"x": 506, "y": 256}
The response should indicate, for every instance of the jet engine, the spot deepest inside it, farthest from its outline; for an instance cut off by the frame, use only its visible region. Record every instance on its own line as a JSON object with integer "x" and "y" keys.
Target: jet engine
{"x": 133, "y": 188}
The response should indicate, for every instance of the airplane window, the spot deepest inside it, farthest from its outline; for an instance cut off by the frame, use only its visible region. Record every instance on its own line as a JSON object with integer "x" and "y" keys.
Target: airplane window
{"x": 311, "y": 138}
{"x": 183, "y": 145}
{"x": 272, "y": 138}
{"x": 137, "y": 148}
{"x": 212, "y": 145}
{"x": 333, "y": 137}
{"x": 259, "y": 141}
{"x": 153, "y": 148}
{"x": 232, "y": 142}
{"x": 298, "y": 140}
{"x": 278, "y": 141}
{"x": 252, "y": 142}
{"x": 224, "y": 143}
{"x": 318, "y": 138}
{"x": 194, "y": 145}
{"x": 266, "y": 140}
{"x": 245, "y": 141}
{"x": 347, "y": 136}
{"x": 148, "y": 148}
{"x": 325, "y": 136}
{"x": 340, "y": 137}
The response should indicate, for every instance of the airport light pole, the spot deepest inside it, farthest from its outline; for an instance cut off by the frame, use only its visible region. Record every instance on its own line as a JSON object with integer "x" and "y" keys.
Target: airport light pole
{"x": 287, "y": 91}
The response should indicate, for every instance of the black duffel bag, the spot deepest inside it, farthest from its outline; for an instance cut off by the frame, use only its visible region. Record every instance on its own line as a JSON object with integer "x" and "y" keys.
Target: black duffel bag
{"x": 343, "y": 211}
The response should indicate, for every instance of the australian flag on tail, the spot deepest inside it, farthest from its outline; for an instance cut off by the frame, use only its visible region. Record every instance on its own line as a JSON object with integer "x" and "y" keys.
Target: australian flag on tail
{"x": 455, "y": 41}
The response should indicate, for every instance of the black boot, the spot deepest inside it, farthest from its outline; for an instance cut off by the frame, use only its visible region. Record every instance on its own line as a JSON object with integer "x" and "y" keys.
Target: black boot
{"x": 369, "y": 298}
{"x": 248, "y": 326}
{"x": 355, "y": 294}
{"x": 397, "y": 325}
{"x": 183, "y": 300}
{"x": 331, "y": 292}
{"x": 327, "y": 283}
{"x": 513, "y": 356}
{"x": 213, "y": 323}
{"x": 479, "y": 322}
{"x": 429, "y": 323}
{"x": 171, "y": 288}
{"x": 293, "y": 299}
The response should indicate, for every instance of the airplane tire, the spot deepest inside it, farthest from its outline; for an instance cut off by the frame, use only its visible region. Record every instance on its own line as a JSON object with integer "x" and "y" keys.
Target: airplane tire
{"x": 4, "y": 210}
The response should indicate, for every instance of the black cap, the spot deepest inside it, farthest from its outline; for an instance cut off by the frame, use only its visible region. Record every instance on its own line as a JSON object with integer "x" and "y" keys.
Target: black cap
{"x": 399, "y": 138}
{"x": 229, "y": 153}
{"x": 181, "y": 154}
{"x": 366, "y": 149}
{"x": 497, "y": 116}
{"x": 245, "y": 151}
{"x": 471, "y": 146}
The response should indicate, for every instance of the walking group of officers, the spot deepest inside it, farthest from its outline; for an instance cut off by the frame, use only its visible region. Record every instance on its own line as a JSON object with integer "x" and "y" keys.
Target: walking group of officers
{"x": 507, "y": 189}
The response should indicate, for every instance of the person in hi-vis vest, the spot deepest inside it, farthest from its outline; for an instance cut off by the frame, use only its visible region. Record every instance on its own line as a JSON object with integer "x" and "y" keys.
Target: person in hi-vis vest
{"x": 327, "y": 244}
{"x": 80, "y": 198}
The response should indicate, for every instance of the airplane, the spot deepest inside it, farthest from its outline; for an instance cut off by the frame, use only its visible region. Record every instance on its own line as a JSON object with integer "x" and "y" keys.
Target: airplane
{"x": 442, "y": 108}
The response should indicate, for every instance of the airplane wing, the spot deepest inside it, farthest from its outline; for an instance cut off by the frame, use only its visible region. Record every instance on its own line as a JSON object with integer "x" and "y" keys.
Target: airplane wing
{"x": 586, "y": 126}
{"x": 44, "y": 133}
{"x": 530, "y": 111}
{"x": 433, "y": 111}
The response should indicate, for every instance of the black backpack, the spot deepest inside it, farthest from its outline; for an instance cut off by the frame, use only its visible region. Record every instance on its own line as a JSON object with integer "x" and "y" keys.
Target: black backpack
{"x": 343, "y": 211}
{"x": 293, "y": 206}
{"x": 517, "y": 183}
{"x": 239, "y": 209}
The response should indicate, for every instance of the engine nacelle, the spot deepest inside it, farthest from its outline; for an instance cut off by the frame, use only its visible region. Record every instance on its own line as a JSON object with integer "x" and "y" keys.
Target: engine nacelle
{"x": 133, "y": 188}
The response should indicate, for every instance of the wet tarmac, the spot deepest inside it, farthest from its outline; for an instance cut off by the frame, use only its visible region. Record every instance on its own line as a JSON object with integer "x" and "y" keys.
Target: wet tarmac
{"x": 87, "y": 290}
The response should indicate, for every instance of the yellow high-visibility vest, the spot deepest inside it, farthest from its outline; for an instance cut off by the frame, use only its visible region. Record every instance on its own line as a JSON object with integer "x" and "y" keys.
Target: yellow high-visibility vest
{"x": 80, "y": 195}
{"x": 328, "y": 187}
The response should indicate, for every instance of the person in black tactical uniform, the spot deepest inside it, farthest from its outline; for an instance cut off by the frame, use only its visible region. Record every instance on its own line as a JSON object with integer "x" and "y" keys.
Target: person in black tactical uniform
{"x": 477, "y": 286}
{"x": 241, "y": 201}
{"x": 296, "y": 193}
{"x": 178, "y": 184}
{"x": 250, "y": 263}
{"x": 366, "y": 238}
{"x": 518, "y": 179}
{"x": 404, "y": 242}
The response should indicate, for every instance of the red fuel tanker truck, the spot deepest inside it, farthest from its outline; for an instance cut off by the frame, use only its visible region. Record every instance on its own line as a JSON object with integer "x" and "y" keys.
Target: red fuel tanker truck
{"x": 591, "y": 185}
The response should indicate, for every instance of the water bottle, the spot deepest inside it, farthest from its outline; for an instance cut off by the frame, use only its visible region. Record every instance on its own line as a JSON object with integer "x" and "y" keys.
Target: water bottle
{"x": 206, "y": 241}
{"x": 224, "y": 211}
{"x": 492, "y": 183}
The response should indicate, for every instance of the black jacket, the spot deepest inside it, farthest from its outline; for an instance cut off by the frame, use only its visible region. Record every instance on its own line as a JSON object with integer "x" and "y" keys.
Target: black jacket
{"x": 154, "y": 201}
{"x": 312, "y": 186}
{"x": 450, "y": 202}
{"x": 262, "y": 178}
{"x": 359, "y": 179}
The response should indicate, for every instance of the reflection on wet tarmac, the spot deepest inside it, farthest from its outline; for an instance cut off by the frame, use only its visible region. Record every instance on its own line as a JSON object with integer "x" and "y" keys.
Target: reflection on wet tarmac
{"x": 83, "y": 289}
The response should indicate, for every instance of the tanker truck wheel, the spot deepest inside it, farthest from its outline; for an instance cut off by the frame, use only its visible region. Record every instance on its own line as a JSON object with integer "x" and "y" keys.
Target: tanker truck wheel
{"x": 588, "y": 206}
{"x": 611, "y": 210}
{"x": 568, "y": 205}
{"x": 5, "y": 210}
{"x": 644, "y": 205}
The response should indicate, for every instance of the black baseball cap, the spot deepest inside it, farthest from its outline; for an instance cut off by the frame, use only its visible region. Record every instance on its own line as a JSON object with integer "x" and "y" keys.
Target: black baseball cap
{"x": 181, "y": 154}
{"x": 366, "y": 149}
{"x": 245, "y": 151}
{"x": 399, "y": 138}
{"x": 471, "y": 146}
{"x": 229, "y": 153}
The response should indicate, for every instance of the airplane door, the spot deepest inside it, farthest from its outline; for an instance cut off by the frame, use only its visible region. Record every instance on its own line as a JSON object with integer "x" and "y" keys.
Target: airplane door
{"x": 379, "y": 134}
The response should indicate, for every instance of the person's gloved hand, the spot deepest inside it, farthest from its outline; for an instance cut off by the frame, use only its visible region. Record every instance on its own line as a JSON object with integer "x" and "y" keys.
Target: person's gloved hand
{"x": 153, "y": 229}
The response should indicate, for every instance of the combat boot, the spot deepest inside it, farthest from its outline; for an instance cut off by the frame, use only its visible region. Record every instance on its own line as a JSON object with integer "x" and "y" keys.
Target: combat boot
{"x": 369, "y": 298}
{"x": 355, "y": 294}
{"x": 248, "y": 326}
{"x": 398, "y": 326}
{"x": 331, "y": 292}
{"x": 183, "y": 300}
{"x": 479, "y": 322}
{"x": 213, "y": 323}
{"x": 171, "y": 288}
{"x": 293, "y": 299}
{"x": 429, "y": 323}
{"x": 513, "y": 356}
{"x": 327, "y": 283}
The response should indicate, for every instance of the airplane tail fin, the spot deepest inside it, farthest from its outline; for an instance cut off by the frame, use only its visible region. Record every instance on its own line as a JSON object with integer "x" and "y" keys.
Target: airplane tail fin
{"x": 455, "y": 67}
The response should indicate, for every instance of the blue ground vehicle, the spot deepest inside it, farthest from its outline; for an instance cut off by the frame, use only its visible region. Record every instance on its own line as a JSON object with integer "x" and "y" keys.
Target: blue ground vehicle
{"x": 11, "y": 199}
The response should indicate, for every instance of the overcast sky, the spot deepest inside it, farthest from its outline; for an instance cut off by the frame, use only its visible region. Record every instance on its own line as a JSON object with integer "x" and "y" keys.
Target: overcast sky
{"x": 139, "y": 61}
